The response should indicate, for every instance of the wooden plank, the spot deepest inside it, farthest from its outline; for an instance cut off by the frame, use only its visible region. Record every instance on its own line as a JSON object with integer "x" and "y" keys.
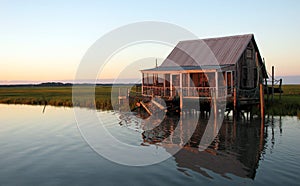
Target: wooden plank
{"x": 145, "y": 107}
{"x": 158, "y": 105}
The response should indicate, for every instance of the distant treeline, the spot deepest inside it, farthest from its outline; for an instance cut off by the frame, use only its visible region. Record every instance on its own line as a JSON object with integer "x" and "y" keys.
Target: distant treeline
{"x": 59, "y": 84}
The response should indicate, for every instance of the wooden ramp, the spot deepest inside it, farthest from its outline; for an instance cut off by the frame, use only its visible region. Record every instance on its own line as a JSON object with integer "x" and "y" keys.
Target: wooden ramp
{"x": 146, "y": 108}
{"x": 152, "y": 106}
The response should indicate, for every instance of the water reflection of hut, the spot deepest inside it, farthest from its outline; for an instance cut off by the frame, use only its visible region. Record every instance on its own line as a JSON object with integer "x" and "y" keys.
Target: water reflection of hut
{"x": 236, "y": 150}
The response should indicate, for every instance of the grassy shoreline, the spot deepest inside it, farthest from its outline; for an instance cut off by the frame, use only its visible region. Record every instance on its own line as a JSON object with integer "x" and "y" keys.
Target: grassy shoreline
{"x": 62, "y": 96}
{"x": 54, "y": 96}
{"x": 289, "y": 103}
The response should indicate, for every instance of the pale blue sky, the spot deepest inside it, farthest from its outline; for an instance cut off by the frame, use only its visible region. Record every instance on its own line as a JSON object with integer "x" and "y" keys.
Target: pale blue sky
{"x": 45, "y": 40}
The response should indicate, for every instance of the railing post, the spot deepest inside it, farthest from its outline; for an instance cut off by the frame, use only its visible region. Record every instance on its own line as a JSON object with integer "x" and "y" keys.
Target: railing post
{"x": 217, "y": 83}
{"x": 171, "y": 86}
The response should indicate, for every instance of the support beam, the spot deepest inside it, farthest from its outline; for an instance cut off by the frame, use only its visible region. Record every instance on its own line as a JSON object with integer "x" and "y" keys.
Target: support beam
{"x": 164, "y": 79}
{"x": 217, "y": 84}
{"x": 272, "y": 84}
{"x": 171, "y": 85}
{"x": 266, "y": 85}
{"x": 262, "y": 105}
{"x": 142, "y": 89}
{"x": 145, "y": 107}
{"x": 188, "y": 83}
{"x": 161, "y": 107}
{"x": 235, "y": 112}
{"x": 180, "y": 92}
{"x": 280, "y": 83}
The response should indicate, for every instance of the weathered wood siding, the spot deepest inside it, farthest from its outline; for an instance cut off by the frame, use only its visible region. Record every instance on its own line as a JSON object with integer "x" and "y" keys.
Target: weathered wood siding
{"x": 247, "y": 68}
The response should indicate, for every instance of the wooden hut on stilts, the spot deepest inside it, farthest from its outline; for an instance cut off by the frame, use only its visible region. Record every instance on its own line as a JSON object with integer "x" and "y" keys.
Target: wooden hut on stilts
{"x": 238, "y": 77}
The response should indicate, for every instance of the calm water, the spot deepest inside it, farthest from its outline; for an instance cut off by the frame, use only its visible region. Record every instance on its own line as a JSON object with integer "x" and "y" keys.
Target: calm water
{"x": 48, "y": 149}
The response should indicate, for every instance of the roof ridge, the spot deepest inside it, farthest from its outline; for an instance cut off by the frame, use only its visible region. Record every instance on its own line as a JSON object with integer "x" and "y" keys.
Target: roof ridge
{"x": 219, "y": 37}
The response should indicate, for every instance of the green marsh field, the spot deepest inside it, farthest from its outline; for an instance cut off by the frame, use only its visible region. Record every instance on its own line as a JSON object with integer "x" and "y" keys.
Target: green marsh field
{"x": 62, "y": 96}
{"x": 52, "y": 95}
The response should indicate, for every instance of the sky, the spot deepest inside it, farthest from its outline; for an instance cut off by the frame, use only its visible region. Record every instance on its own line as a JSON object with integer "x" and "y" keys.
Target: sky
{"x": 45, "y": 40}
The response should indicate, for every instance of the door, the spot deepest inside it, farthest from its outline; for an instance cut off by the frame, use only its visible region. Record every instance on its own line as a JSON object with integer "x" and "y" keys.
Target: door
{"x": 229, "y": 82}
{"x": 175, "y": 84}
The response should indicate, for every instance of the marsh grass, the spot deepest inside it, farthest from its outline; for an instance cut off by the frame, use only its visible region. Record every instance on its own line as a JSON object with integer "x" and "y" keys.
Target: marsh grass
{"x": 62, "y": 96}
{"x": 55, "y": 96}
{"x": 289, "y": 103}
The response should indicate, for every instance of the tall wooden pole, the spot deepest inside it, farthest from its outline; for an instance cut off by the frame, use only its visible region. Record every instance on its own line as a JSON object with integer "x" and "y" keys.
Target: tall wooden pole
{"x": 262, "y": 107}
{"x": 272, "y": 84}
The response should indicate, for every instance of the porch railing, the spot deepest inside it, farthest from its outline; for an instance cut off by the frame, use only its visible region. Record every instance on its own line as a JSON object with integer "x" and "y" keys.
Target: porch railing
{"x": 187, "y": 91}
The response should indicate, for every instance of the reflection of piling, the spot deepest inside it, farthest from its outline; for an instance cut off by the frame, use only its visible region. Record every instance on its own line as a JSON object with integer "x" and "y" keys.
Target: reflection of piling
{"x": 123, "y": 96}
{"x": 261, "y": 138}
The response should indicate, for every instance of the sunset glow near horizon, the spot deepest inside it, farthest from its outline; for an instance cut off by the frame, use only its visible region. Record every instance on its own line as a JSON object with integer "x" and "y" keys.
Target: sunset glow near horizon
{"x": 46, "y": 40}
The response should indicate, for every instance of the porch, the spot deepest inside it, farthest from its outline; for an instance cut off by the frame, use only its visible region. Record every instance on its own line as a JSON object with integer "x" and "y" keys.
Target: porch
{"x": 201, "y": 84}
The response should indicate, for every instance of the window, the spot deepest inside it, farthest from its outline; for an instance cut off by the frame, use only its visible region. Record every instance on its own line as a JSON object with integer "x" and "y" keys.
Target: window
{"x": 255, "y": 77}
{"x": 145, "y": 79}
{"x": 150, "y": 79}
{"x": 185, "y": 80}
{"x": 175, "y": 80}
{"x": 249, "y": 53}
{"x": 245, "y": 76}
{"x": 167, "y": 80}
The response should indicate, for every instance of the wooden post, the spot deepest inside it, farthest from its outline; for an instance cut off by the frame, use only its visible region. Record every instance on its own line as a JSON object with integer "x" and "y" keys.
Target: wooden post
{"x": 280, "y": 83}
{"x": 215, "y": 113}
{"x": 188, "y": 84}
{"x": 266, "y": 85}
{"x": 262, "y": 108}
{"x": 164, "y": 79}
{"x": 234, "y": 102}
{"x": 171, "y": 85}
{"x": 272, "y": 84}
{"x": 180, "y": 92}
{"x": 217, "y": 84}
{"x": 181, "y": 101}
{"x": 142, "y": 89}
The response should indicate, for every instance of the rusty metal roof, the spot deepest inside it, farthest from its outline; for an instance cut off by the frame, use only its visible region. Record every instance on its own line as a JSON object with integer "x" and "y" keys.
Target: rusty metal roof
{"x": 212, "y": 51}
{"x": 186, "y": 68}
